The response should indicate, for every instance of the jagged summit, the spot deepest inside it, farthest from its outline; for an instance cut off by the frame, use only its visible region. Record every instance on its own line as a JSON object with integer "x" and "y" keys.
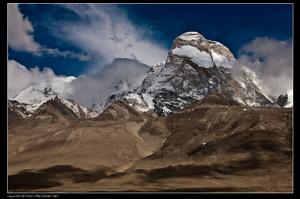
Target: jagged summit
{"x": 203, "y": 52}
{"x": 190, "y": 36}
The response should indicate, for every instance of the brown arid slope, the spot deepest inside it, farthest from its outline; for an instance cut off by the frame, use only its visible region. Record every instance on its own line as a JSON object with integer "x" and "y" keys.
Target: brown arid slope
{"x": 54, "y": 137}
{"x": 214, "y": 145}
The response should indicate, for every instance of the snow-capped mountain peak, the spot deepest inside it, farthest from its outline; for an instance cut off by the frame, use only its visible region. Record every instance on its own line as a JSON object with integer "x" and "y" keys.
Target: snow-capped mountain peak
{"x": 203, "y": 52}
{"x": 31, "y": 98}
{"x": 194, "y": 68}
{"x": 38, "y": 94}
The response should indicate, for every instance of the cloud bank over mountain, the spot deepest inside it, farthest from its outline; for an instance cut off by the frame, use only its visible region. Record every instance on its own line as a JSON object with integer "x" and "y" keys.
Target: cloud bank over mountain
{"x": 272, "y": 61}
{"x": 19, "y": 77}
{"x": 88, "y": 88}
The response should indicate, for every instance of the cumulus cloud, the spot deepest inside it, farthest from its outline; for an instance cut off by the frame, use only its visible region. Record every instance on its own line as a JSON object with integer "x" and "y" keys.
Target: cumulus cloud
{"x": 272, "y": 61}
{"x": 20, "y": 37}
{"x": 19, "y": 77}
{"x": 106, "y": 31}
{"x": 19, "y": 31}
{"x": 89, "y": 88}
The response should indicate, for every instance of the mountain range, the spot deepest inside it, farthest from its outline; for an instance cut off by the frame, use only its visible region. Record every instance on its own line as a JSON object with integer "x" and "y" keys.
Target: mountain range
{"x": 195, "y": 67}
{"x": 197, "y": 122}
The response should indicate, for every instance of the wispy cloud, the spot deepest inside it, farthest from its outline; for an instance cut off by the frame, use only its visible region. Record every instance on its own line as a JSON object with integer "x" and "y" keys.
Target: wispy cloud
{"x": 106, "y": 31}
{"x": 54, "y": 52}
{"x": 20, "y": 37}
{"x": 271, "y": 60}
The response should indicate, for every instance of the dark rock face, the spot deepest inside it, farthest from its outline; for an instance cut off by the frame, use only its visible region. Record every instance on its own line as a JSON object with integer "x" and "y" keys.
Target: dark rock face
{"x": 282, "y": 100}
{"x": 190, "y": 83}
{"x": 14, "y": 113}
{"x": 48, "y": 91}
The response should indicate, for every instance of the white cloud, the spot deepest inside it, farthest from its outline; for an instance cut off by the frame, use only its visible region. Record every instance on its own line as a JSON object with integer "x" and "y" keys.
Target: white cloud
{"x": 19, "y": 31}
{"x": 19, "y": 77}
{"x": 272, "y": 61}
{"x": 106, "y": 31}
{"x": 54, "y": 52}
{"x": 20, "y": 37}
{"x": 88, "y": 88}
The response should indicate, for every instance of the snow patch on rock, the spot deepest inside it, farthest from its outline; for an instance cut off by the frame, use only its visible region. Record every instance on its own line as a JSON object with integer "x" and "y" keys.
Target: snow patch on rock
{"x": 201, "y": 58}
{"x": 221, "y": 60}
{"x": 149, "y": 100}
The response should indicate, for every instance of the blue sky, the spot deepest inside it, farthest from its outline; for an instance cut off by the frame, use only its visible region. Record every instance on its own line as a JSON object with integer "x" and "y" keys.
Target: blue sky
{"x": 72, "y": 40}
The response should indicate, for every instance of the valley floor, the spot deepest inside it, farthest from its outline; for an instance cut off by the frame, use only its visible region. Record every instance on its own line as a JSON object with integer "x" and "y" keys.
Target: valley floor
{"x": 188, "y": 178}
